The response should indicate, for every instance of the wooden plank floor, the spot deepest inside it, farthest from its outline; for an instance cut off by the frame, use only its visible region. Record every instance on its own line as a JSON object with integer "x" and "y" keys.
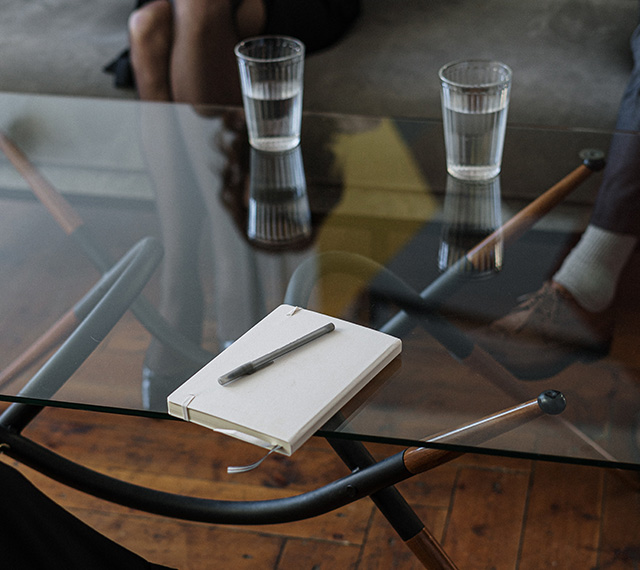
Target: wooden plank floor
{"x": 488, "y": 512}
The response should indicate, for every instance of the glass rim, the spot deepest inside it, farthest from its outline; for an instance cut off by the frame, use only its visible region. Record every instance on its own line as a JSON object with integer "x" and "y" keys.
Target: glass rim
{"x": 298, "y": 52}
{"x": 508, "y": 73}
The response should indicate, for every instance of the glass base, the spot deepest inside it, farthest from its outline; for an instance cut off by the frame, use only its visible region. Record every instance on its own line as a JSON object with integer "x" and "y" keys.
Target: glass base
{"x": 275, "y": 144}
{"x": 473, "y": 172}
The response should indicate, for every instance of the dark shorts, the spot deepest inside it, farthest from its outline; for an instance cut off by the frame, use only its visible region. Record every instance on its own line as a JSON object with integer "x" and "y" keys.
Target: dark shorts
{"x": 317, "y": 23}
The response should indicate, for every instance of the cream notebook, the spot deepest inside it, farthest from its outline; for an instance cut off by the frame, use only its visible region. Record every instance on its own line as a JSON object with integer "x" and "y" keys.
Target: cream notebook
{"x": 284, "y": 403}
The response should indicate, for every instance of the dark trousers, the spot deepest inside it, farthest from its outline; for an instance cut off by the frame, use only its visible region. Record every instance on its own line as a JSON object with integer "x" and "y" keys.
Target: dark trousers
{"x": 37, "y": 533}
{"x": 617, "y": 206}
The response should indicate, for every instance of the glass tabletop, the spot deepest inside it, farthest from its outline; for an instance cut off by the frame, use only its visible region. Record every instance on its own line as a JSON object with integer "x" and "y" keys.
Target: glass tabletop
{"x": 363, "y": 203}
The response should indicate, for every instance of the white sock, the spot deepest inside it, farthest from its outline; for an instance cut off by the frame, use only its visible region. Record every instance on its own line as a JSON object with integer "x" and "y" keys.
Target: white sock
{"x": 592, "y": 269}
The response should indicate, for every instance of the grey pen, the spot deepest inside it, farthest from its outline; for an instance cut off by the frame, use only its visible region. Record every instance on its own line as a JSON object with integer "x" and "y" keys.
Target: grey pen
{"x": 262, "y": 361}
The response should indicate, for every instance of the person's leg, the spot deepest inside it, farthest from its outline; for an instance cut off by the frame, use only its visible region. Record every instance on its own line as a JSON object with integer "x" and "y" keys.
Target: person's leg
{"x": 569, "y": 316}
{"x": 592, "y": 270}
{"x": 203, "y": 66}
{"x": 181, "y": 216}
{"x": 184, "y": 52}
{"x": 151, "y": 38}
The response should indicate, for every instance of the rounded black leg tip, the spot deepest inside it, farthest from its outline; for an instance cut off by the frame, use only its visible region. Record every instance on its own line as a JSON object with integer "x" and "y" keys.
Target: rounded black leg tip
{"x": 552, "y": 402}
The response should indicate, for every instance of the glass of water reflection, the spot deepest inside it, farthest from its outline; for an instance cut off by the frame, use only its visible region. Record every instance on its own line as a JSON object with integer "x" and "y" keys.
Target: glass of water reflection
{"x": 271, "y": 75}
{"x": 475, "y": 99}
{"x": 279, "y": 216}
{"x": 472, "y": 211}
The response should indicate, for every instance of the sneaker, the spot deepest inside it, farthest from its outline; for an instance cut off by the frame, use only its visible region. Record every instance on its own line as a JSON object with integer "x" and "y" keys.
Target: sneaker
{"x": 545, "y": 333}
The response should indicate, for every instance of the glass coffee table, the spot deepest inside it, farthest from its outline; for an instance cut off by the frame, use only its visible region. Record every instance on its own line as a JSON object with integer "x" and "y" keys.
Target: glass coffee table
{"x": 360, "y": 222}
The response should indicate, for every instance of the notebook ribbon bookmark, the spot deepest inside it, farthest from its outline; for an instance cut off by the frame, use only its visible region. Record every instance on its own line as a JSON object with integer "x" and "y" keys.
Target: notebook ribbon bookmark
{"x": 245, "y": 468}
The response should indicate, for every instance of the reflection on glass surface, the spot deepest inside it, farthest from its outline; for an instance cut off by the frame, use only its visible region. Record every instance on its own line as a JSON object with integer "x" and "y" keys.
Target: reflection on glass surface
{"x": 198, "y": 165}
{"x": 471, "y": 213}
{"x": 133, "y": 169}
{"x": 279, "y": 213}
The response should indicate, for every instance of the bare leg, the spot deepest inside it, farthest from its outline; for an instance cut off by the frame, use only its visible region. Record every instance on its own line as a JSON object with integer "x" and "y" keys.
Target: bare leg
{"x": 151, "y": 38}
{"x": 186, "y": 54}
{"x": 203, "y": 67}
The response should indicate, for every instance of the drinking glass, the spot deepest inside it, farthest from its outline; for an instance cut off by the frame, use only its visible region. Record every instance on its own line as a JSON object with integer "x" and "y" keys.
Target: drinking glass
{"x": 475, "y": 100}
{"x": 271, "y": 76}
